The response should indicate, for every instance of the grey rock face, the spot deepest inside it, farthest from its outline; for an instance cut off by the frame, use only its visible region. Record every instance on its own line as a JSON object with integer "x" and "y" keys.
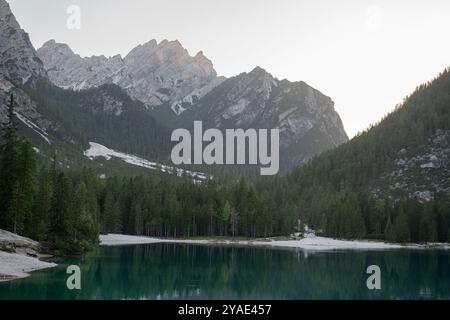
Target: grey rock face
{"x": 70, "y": 71}
{"x": 306, "y": 118}
{"x": 153, "y": 73}
{"x": 19, "y": 62}
{"x": 422, "y": 172}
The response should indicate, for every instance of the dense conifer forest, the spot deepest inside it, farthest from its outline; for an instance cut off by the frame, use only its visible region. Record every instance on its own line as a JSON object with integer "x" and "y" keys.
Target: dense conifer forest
{"x": 67, "y": 209}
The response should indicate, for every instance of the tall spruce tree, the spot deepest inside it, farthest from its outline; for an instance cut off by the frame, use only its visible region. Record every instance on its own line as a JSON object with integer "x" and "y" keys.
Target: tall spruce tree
{"x": 401, "y": 226}
{"x": 9, "y": 181}
{"x": 26, "y": 167}
{"x": 42, "y": 206}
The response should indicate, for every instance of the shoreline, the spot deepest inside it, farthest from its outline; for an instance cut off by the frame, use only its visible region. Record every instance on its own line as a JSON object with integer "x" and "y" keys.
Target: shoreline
{"x": 21, "y": 258}
{"x": 309, "y": 243}
{"x": 15, "y": 266}
{"x": 25, "y": 258}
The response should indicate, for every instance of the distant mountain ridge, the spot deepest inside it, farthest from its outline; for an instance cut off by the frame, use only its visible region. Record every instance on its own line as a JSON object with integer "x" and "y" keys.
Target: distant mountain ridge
{"x": 178, "y": 89}
{"x": 130, "y": 104}
{"x": 152, "y": 73}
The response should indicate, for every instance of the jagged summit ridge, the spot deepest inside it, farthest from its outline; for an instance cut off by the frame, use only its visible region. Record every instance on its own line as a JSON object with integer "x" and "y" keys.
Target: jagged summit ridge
{"x": 153, "y": 73}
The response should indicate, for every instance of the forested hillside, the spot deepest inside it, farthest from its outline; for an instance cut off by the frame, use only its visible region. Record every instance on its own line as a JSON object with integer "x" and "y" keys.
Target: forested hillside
{"x": 343, "y": 193}
{"x": 58, "y": 208}
{"x": 346, "y": 193}
{"x": 349, "y": 192}
{"x": 106, "y": 115}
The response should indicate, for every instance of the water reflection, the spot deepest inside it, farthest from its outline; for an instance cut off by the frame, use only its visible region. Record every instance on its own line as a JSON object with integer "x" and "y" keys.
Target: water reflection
{"x": 181, "y": 271}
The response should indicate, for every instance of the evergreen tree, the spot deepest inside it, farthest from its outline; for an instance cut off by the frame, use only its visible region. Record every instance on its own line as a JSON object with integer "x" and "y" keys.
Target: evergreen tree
{"x": 10, "y": 217}
{"x": 401, "y": 227}
{"x": 42, "y": 207}
{"x": 428, "y": 227}
{"x": 389, "y": 230}
{"x": 226, "y": 216}
{"x": 27, "y": 187}
{"x": 60, "y": 229}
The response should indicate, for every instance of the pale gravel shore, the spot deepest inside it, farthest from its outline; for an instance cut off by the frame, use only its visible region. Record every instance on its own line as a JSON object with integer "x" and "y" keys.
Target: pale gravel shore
{"x": 16, "y": 266}
{"x": 312, "y": 243}
{"x": 19, "y": 265}
{"x": 9, "y": 237}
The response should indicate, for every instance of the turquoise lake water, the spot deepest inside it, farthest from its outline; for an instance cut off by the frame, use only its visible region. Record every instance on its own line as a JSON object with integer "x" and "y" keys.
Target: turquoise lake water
{"x": 185, "y": 271}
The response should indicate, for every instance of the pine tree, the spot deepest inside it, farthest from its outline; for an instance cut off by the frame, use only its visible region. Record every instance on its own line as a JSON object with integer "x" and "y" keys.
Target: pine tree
{"x": 9, "y": 182}
{"x": 428, "y": 226}
{"x": 27, "y": 187}
{"x": 389, "y": 230}
{"x": 401, "y": 226}
{"x": 234, "y": 220}
{"x": 42, "y": 207}
{"x": 226, "y": 215}
{"x": 60, "y": 228}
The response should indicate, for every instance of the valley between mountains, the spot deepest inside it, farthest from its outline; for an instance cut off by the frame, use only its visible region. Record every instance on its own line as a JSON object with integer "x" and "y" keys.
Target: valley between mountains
{"x": 85, "y": 150}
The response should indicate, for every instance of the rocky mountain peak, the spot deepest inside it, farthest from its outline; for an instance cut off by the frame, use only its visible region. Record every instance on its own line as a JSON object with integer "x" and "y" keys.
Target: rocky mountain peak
{"x": 174, "y": 45}
{"x": 141, "y": 51}
{"x": 258, "y": 72}
{"x": 52, "y": 47}
{"x": 306, "y": 118}
{"x": 200, "y": 55}
{"x": 204, "y": 63}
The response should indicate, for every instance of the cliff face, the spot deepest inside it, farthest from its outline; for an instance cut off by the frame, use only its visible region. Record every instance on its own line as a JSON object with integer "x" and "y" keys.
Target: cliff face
{"x": 19, "y": 62}
{"x": 306, "y": 118}
{"x": 19, "y": 65}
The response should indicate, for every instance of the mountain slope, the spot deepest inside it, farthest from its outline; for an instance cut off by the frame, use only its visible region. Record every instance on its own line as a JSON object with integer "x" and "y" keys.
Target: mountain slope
{"x": 18, "y": 59}
{"x": 418, "y": 129}
{"x": 63, "y": 121}
{"x": 392, "y": 181}
{"x": 19, "y": 63}
{"x": 106, "y": 115}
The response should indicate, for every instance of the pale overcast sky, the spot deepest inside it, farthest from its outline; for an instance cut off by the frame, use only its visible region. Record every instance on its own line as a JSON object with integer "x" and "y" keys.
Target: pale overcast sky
{"x": 365, "y": 54}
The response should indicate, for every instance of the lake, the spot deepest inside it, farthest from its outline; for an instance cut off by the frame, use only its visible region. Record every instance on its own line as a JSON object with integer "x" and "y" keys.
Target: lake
{"x": 186, "y": 271}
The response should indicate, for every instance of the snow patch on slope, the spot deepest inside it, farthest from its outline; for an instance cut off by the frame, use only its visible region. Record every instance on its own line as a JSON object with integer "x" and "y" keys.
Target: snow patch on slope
{"x": 97, "y": 150}
{"x": 30, "y": 124}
